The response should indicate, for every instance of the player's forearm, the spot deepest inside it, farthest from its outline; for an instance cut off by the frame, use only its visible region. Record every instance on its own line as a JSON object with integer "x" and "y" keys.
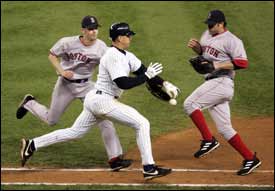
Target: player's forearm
{"x": 56, "y": 63}
{"x": 224, "y": 65}
{"x": 130, "y": 82}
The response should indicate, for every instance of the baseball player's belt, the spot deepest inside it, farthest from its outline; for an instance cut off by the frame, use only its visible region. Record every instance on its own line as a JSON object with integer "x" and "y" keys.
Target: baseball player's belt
{"x": 213, "y": 77}
{"x": 77, "y": 81}
{"x": 218, "y": 74}
{"x": 101, "y": 92}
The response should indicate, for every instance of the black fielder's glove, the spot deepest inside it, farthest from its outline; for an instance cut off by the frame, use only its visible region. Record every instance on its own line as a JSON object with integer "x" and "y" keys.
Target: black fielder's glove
{"x": 161, "y": 89}
{"x": 157, "y": 91}
{"x": 201, "y": 65}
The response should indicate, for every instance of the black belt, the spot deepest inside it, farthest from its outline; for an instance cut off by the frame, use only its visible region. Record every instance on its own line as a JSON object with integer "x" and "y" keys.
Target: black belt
{"x": 77, "y": 81}
{"x": 213, "y": 77}
{"x": 100, "y": 92}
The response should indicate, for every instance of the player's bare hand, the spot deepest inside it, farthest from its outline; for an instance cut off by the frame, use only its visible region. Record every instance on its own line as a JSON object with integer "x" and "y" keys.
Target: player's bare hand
{"x": 195, "y": 45}
{"x": 67, "y": 74}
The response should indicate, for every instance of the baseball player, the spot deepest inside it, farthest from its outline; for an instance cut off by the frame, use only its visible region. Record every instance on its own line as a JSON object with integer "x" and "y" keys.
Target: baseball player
{"x": 79, "y": 56}
{"x": 103, "y": 102}
{"x": 224, "y": 53}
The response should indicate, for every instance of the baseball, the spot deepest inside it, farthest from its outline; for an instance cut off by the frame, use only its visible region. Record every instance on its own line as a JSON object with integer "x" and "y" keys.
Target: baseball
{"x": 173, "y": 102}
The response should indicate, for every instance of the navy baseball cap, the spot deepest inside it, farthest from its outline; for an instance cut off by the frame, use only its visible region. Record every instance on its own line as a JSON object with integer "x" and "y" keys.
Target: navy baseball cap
{"x": 120, "y": 29}
{"x": 90, "y": 22}
{"x": 215, "y": 16}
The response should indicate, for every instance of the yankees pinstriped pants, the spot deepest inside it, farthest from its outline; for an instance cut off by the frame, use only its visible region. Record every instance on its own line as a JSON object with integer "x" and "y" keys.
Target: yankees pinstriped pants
{"x": 97, "y": 108}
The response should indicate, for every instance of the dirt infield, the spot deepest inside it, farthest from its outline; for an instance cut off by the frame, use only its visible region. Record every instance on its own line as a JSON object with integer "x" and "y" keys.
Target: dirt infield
{"x": 175, "y": 150}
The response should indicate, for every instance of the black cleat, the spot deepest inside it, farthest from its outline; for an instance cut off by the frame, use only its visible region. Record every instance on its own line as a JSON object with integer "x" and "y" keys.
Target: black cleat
{"x": 120, "y": 163}
{"x": 207, "y": 147}
{"x": 21, "y": 111}
{"x": 156, "y": 172}
{"x": 27, "y": 149}
{"x": 249, "y": 166}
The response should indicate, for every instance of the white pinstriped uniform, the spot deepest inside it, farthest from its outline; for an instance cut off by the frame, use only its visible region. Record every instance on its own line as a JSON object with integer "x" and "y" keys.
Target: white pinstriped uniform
{"x": 115, "y": 64}
{"x": 215, "y": 94}
{"x": 81, "y": 60}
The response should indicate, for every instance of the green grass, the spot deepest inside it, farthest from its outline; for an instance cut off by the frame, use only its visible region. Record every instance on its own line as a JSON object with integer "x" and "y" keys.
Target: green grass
{"x": 29, "y": 29}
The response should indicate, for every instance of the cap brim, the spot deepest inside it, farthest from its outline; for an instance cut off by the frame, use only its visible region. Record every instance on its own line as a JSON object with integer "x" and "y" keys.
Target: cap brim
{"x": 132, "y": 33}
{"x": 93, "y": 26}
{"x": 209, "y": 22}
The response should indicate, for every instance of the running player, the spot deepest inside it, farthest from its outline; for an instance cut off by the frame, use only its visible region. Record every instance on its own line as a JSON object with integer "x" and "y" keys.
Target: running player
{"x": 79, "y": 56}
{"x": 227, "y": 52}
{"x": 103, "y": 102}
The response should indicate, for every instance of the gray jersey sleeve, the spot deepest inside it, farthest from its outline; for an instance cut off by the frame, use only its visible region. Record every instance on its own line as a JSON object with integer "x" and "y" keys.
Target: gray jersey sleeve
{"x": 58, "y": 48}
{"x": 236, "y": 49}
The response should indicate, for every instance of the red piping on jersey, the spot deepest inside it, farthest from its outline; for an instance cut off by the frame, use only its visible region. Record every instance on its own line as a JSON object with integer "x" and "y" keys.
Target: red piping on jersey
{"x": 240, "y": 63}
{"x": 225, "y": 29}
{"x": 53, "y": 54}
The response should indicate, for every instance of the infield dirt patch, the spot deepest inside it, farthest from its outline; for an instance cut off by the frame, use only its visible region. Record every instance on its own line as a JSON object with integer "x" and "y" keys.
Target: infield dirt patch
{"x": 175, "y": 150}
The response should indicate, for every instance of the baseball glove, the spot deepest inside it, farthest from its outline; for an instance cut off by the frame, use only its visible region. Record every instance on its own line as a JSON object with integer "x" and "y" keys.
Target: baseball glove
{"x": 163, "y": 90}
{"x": 201, "y": 65}
{"x": 157, "y": 91}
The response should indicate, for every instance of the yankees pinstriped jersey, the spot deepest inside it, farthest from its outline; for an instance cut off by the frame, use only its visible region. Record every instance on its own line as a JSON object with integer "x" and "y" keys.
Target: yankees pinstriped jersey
{"x": 115, "y": 64}
{"x": 77, "y": 57}
{"x": 223, "y": 47}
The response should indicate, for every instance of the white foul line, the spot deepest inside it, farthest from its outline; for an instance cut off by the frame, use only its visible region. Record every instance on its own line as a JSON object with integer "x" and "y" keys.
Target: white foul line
{"x": 130, "y": 169}
{"x": 134, "y": 184}
{"x": 130, "y": 184}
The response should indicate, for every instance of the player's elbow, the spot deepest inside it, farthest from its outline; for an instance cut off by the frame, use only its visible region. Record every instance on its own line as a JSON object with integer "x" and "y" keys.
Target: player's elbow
{"x": 52, "y": 122}
{"x": 240, "y": 64}
{"x": 52, "y": 56}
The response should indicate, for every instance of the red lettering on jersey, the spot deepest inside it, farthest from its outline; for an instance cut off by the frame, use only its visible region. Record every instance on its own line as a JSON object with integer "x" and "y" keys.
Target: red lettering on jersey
{"x": 210, "y": 50}
{"x": 216, "y": 53}
{"x": 71, "y": 56}
{"x": 79, "y": 56}
{"x": 83, "y": 58}
{"x": 75, "y": 56}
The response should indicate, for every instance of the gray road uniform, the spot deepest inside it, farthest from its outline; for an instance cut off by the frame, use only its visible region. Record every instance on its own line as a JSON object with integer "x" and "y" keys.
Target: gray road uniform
{"x": 82, "y": 60}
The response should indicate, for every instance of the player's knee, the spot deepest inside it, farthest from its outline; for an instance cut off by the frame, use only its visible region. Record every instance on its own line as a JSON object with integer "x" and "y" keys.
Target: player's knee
{"x": 143, "y": 123}
{"x": 227, "y": 132}
{"x": 189, "y": 106}
{"x": 106, "y": 124}
{"x": 76, "y": 134}
{"x": 52, "y": 122}
{"x": 146, "y": 123}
